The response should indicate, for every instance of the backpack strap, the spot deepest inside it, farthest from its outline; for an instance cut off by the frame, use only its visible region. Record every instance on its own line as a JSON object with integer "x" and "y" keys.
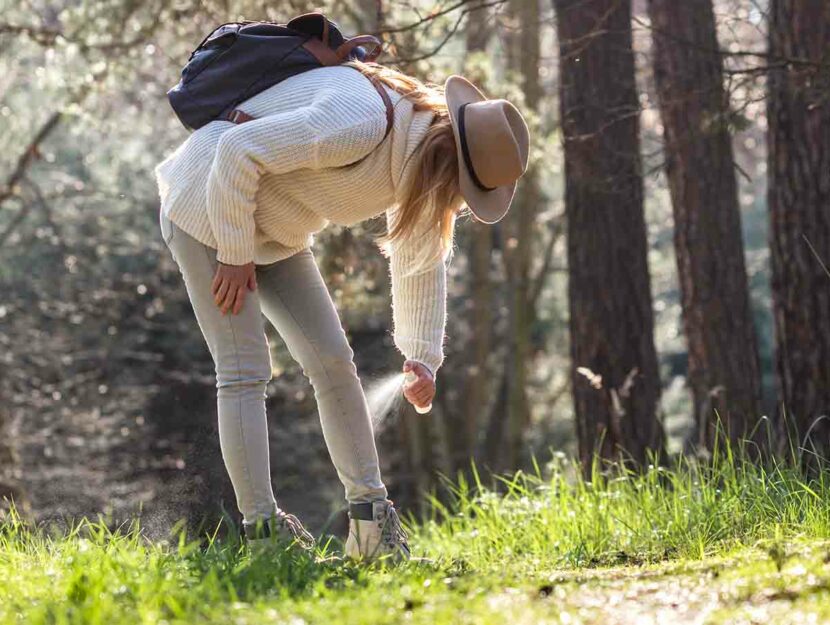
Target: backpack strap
{"x": 344, "y": 49}
{"x": 387, "y": 102}
{"x": 238, "y": 116}
{"x": 325, "y": 55}
{"x": 390, "y": 114}
{"x": 315, "y": 24}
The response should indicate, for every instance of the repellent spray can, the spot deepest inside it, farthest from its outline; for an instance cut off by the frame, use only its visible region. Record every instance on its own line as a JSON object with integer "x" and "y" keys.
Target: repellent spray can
{"x": 409, "y": 379}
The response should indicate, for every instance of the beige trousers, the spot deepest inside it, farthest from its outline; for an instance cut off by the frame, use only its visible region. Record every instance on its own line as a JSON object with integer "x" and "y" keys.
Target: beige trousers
{"x": 292, "y": 295}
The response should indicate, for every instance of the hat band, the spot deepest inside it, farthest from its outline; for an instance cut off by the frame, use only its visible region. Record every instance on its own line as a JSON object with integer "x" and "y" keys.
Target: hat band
{"x": 465, "y": 150}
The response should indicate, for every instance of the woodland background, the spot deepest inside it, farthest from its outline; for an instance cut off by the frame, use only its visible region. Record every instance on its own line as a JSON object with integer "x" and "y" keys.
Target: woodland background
{"x": 660, "y": 272}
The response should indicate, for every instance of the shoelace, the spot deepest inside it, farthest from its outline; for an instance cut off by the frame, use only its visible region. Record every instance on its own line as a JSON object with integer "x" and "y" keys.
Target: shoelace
{"x": 293, "y": 525}
{"x": 392, "y": 531}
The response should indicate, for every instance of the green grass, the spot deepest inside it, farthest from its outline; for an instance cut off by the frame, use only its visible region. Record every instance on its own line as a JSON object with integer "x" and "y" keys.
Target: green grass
{"x": 731, "y": 540}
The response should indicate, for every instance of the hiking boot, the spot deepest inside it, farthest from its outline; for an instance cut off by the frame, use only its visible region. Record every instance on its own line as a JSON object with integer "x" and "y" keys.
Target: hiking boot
{"x": 375, "y": 531}
{"x": 280, "y": 528}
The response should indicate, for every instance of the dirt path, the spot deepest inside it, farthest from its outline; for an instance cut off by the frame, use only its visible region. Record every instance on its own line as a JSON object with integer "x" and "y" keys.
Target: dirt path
{"x": 745, "y": 589}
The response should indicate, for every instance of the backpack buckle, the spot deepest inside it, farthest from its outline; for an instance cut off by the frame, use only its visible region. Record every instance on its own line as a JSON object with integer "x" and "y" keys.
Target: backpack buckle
{"x": 239, "y": 117}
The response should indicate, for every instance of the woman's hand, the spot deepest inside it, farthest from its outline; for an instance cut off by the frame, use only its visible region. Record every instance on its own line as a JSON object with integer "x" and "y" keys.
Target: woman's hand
{"x": 230, "y": 285}
{"x": 421, "y": 392}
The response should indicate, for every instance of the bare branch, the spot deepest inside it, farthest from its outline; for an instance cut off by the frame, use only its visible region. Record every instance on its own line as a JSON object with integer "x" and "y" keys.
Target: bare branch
{"x": 28, "y": 156}
{"x": 479, "y": 5}
{"x": 47, "y": 36}
{"x": 556, "y": 230}
{"x": 15, "y": 222}
{"x": 440, "y": 45}
{"x": 774, "y": 60}
{"x": 40, "y": 34}
{"x": 48, "y": 213}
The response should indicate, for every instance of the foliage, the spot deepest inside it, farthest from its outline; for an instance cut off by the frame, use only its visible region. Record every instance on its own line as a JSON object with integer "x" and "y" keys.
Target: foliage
{"x": 94, "y": 319}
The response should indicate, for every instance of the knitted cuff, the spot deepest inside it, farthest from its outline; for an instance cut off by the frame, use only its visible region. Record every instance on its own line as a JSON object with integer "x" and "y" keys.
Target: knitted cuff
{"x": 235, "y": 256}
{"x": 429, "y": 354}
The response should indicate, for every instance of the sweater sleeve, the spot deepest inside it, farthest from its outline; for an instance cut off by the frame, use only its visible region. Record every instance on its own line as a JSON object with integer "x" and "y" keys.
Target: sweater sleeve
{"x": 323, "y": 134}
{"x": 419, "y": 303}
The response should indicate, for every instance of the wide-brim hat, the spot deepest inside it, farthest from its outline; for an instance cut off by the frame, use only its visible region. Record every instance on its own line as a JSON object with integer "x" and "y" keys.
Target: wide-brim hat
{"x": 493, "y": 144}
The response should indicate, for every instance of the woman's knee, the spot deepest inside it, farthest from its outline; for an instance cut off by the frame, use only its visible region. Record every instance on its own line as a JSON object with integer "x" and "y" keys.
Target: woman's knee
{"x": 243, "y": 370}
{"x": 330, "y": 362}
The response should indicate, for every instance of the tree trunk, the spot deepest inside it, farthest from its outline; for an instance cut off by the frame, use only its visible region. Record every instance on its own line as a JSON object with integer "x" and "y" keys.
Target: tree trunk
{"x": 493, "y": 443}
{"x": 614, "y": 365}
{"x": 799, "y": 209}
{"x": 524, "y": 54}
{"x": 423, "y": 463}
{"x": 479, "y": 256}
{"x": 11, "y": 492}
{"x": 723, "y": 354}
{"x": 476, "y": 371}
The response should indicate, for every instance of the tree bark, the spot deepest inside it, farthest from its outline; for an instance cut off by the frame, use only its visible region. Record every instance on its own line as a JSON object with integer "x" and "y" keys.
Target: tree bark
{"x": 724, "y": 371}
{"x": 479, "y": 254}
{"x": 523, "y": 56}
{"x": 799, "y": 211}
{"x": 616, "y": 385}
{"x": 11, "y": 492}
{"x": 476, "y": 378}
{"x": 370, "y": 15}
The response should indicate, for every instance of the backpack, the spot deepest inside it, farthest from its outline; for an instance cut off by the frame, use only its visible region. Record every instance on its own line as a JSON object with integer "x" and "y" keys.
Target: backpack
{"x": 237, "y": 60}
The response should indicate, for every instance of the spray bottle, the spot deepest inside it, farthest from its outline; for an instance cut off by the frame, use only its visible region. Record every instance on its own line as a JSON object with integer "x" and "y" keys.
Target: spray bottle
{"x": 409, "y": 379}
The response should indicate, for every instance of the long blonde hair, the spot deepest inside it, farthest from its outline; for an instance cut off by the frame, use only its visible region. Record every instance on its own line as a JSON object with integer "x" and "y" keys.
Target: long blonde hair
{"x": 431, "y": 199}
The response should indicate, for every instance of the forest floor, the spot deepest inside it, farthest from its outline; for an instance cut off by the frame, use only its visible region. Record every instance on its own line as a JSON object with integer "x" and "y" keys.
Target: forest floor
{"x": 126, "y": 586}
{"x": 725, "y": 543}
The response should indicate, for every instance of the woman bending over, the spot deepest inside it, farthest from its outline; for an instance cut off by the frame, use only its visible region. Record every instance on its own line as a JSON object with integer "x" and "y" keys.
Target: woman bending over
{"x": 240, "y": 204}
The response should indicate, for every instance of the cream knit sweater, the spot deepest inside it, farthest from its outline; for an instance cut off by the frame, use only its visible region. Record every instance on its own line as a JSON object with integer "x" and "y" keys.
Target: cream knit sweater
{"x": 259, "y": 191}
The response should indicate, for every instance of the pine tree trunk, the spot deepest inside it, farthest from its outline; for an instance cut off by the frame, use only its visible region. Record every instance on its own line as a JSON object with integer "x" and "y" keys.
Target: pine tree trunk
{"x": 518, "y": 249}
{"x": 799, "y": 209}
{"x": 477, "y": 389}
{"x": 10, "y": 487}
{"x": 476, "y": 377}
{"x": 723, "y": 354}
{"x": 370, "y": 14}
{"x": 615, "y": 379}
